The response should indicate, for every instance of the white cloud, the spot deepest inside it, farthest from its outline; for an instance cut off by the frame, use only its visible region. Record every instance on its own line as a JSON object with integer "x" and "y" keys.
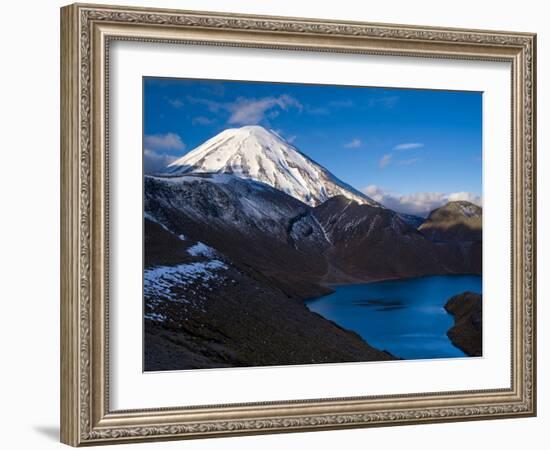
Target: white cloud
{"x": 354, "y": 143}
{"x": 176, "y": 103}
{"x": 245, "y": 111}
{"x": 468, "y": 196}
{"x": 250, "y": 111}
{"x": 385, "y": 160}
{"x": 154, "y": 162}
{"x": 155, "y": 157}
{"x": 409, "y": 146}
{"x": 168, "y": 141}
{"x": 418, "y": 203}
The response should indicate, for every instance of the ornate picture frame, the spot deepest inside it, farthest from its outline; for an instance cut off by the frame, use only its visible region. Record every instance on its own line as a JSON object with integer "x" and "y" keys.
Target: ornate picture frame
{"x": 86, "y": 34}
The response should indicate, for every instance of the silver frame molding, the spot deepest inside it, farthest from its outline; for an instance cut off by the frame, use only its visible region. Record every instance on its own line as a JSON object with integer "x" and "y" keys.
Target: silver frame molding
{"x": 86, "y": 32}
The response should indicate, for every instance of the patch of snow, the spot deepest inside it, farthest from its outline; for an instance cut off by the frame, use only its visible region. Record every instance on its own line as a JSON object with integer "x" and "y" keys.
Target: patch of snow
{"x": 200, "y": 249}
{"x": 325, "y": 234}
{"x": 159, "y": 281}
{"x": 218, "y": 178}
{"x": 152, "y": 218}
{"x": 373, "y": 224}
{"x": 353, "y": 224}
{"x": 349, "y": 202}
{"x": 155, "y": 317}
{"x": 469, "y": 210}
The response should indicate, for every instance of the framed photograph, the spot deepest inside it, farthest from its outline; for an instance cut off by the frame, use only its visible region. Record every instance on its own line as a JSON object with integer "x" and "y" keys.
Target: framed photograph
{"x": 278, "y": 224}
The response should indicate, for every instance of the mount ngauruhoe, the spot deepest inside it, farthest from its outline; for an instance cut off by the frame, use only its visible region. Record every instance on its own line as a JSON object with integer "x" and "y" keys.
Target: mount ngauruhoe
{"x": 254, "y": 153}
{"x": 242, "y": 229}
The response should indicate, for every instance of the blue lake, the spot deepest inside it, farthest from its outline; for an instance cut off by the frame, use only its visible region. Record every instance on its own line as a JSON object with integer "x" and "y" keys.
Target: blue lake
{"x": 405, "y": 317}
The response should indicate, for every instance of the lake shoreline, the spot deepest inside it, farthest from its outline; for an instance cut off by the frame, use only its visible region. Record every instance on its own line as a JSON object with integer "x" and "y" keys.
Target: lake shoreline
{"x": 368, "y": 308}
{"x": 377, "y": 280}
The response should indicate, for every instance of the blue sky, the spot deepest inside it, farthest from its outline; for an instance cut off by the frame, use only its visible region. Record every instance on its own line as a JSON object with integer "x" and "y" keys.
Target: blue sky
{"x": 408, "y": 148}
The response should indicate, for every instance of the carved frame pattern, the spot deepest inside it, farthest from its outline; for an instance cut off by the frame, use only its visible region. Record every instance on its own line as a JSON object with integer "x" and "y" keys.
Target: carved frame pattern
{"x": 86, "y": 418}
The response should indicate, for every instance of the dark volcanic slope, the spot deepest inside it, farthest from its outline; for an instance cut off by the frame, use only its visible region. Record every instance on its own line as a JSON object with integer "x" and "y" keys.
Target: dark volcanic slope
{"x": 373, "y": 243}
{"x": 253, "y": 224}
{"x": 466, "y": 333}
{"x": 228, "y": 262}
{"x": 207, "y": 312}
{"x": 300, "y": 248}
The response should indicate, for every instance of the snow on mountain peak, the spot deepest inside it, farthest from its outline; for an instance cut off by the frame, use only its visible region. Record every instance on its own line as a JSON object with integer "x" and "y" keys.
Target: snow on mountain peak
{"x": 252, "y": 152}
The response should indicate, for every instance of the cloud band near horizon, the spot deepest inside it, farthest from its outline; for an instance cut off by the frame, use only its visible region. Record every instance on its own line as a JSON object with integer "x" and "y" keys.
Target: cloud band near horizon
{"x": 418, "y": 203}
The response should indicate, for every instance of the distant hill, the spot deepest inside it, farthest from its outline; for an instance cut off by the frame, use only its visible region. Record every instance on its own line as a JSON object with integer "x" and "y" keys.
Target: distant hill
{"x": 455, "y": 221}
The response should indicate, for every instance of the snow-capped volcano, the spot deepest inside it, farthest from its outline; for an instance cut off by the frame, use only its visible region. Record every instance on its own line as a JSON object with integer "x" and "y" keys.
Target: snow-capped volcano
{"x": 252, "y": 152}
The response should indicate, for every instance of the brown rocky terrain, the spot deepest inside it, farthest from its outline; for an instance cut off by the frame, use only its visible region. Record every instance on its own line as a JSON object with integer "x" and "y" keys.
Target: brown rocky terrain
{"x": 229, "y": 261}
{"x": 253, "y": 224}
{"x": 226, "y": 315}
{"x": 466, "y": 333}
{"x": 370, "y": 243}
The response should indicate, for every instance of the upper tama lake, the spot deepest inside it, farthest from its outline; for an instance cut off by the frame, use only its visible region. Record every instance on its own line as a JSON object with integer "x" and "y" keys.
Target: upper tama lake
{"x": 405, "y": 317}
